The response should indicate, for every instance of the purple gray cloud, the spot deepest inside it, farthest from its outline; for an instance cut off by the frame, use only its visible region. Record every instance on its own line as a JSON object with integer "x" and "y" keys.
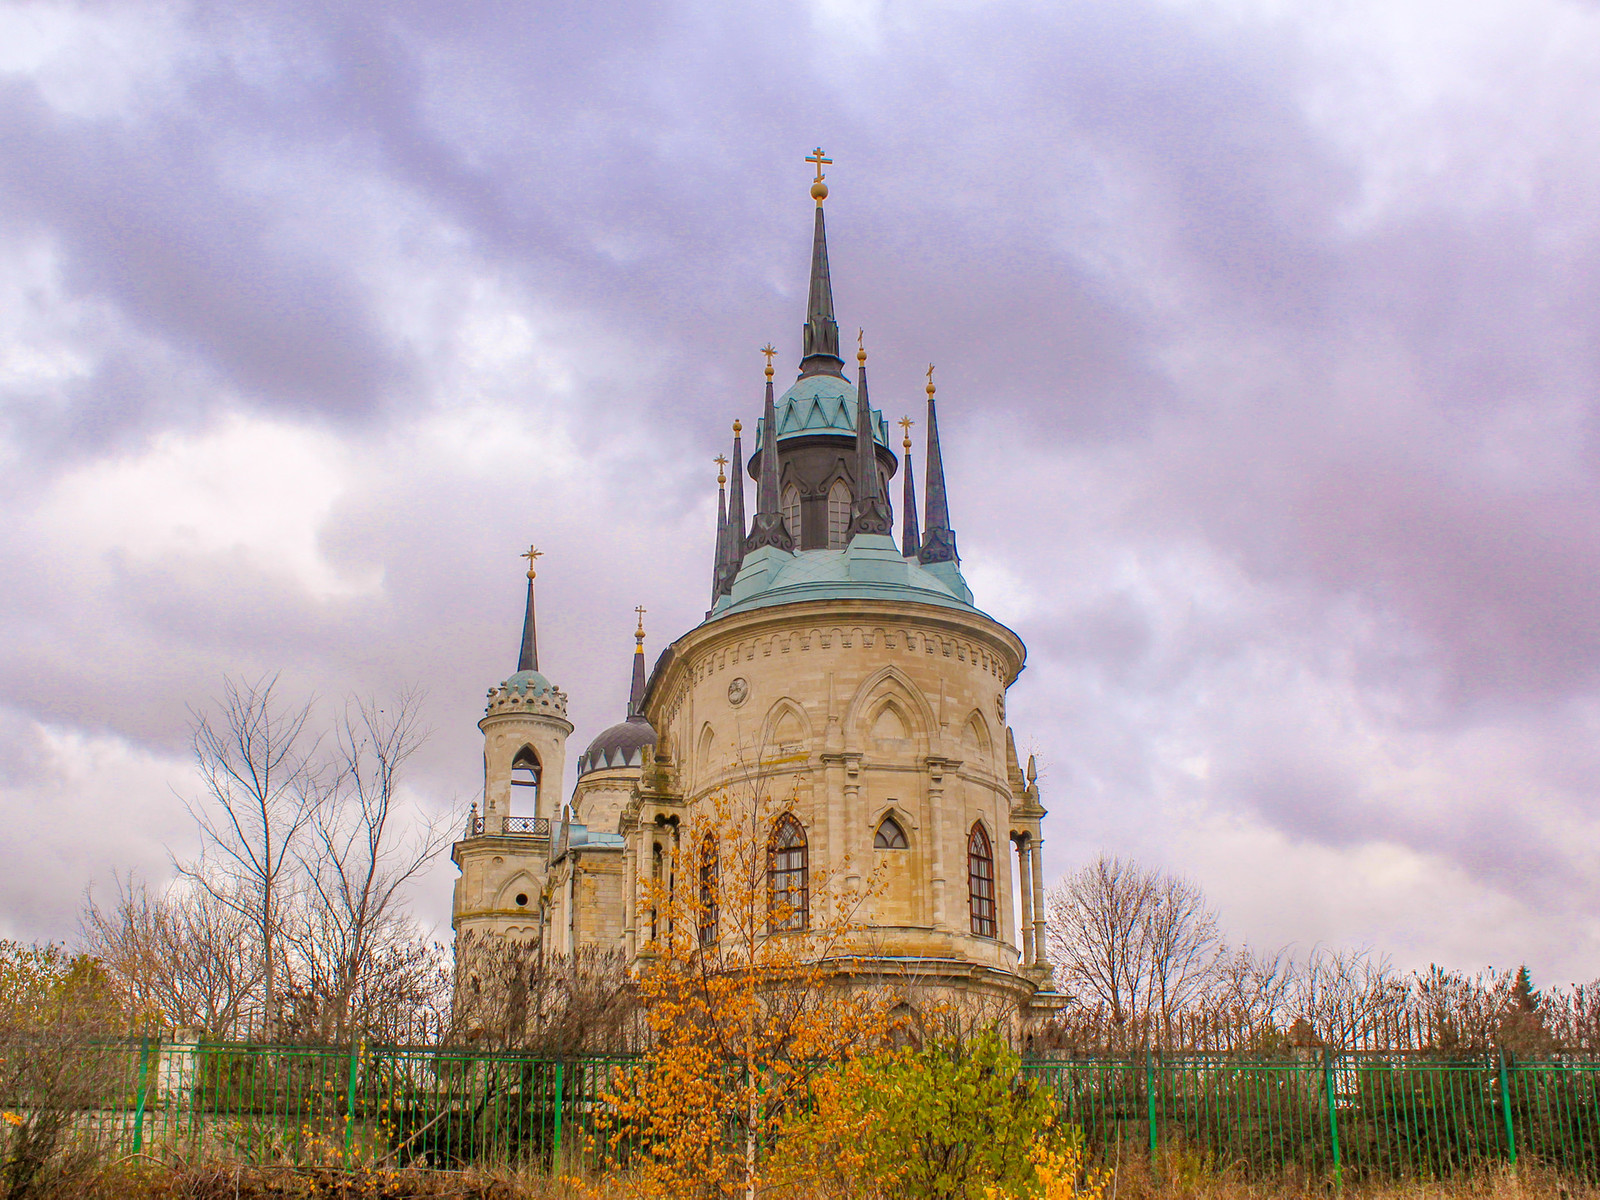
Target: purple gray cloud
{"x": 1268, "y": 338}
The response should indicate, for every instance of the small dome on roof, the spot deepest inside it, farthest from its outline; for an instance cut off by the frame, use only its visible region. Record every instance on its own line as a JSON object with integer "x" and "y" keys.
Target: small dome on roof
{"x": 623, "y": 745}
{"x": 528, "y": 683}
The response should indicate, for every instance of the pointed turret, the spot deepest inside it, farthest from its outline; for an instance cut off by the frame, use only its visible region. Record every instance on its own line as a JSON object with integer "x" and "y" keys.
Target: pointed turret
{"x": 910, "y": 539}
{"x": 636, "y": 691}
{"x": 528, "y": 659}
{"x": 938, "y": 539}
{"x": 718, "y": 560}
{"x": 871, "y": 513}
{"x": 768, "y": 529}
{"x": 732, "y": 552}
{"x": 820, "y": 337}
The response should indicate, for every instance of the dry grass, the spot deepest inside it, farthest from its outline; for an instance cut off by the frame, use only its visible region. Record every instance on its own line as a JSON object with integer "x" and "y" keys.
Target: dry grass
{"x": 1174, "y": 1180}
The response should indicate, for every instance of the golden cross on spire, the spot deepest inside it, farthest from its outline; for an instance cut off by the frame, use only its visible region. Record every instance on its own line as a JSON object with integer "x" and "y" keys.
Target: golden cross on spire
{"x": 905, "y": 425}
{"x": 639, "y": 633}
{"x": 930, "y": 379}
{"x": 530, "y": 554}
{"x": 769, "y": 350}
{"x": 819, "y": 190}
{"x": 722, "y": 476}
{"x": 861, "y": 345}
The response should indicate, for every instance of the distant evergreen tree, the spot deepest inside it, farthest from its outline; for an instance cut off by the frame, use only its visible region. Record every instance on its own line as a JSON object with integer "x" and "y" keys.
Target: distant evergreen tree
{"x": 1523, "y": 994}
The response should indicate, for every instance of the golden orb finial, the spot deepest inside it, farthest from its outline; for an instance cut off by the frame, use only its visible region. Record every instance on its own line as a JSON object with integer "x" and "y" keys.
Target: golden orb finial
{"x": 769, "y": 350}
{"x": 930, "y": 379}
{"x": 638, "y": 634}
{"x": 736, "y": 425}
{"x": 905, "y": 425}
{"x": 530, "y": 554}
{"x": 722, "y": 461}
{"x": 819, "y": 190}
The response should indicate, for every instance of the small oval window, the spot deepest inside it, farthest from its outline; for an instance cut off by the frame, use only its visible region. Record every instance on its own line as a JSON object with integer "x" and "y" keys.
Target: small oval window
{"x": 522, "y": 899}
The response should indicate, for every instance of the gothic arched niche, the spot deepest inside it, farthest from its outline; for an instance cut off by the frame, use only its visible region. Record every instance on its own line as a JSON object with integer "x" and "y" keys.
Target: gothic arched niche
{"x": 889, "y": 689}
{"x": 706, "y": 752}
{"x": 520, "y": 886}
{"x": 975, "y": 740}
{"x": 787, "y": 729}
{"x": 889, "y": 724}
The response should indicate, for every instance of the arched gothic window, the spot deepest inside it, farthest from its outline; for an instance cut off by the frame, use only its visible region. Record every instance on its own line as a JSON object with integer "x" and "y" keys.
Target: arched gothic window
{"x": 710, "y": 909}
{"x": 788, "y": 878}
{"x": 889, "y": 836}
{"x": 980, "y": 881}
{"x": 839, "y": 504}
{"x": 791, "y": 510}
{"x": 525, "y": 782}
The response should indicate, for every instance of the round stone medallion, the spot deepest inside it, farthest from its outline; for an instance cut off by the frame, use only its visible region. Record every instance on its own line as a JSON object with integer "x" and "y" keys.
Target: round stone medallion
{"x": 738, "y": 691}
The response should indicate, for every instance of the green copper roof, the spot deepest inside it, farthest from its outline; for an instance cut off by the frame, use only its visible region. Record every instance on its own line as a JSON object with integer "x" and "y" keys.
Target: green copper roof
{"x": 870, "y": 568}
{"x": 823, "y": 404}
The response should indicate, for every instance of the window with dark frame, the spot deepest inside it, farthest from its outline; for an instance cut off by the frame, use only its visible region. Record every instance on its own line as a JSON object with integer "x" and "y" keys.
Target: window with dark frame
{"x": 788, "y": 883}
{"x": 980, "y": 881}
{"x": 709, "y": 905}
{"x": 889, "y": 836}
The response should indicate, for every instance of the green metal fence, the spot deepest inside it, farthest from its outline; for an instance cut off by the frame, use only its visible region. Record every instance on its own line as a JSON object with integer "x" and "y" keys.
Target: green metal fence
{"x": 1319, "y": 1114}
{"x": 1339, "y": 1115}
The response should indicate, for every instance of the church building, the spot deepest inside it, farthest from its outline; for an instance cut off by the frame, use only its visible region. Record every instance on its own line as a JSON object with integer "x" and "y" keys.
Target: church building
{"x": 856, "y": 658}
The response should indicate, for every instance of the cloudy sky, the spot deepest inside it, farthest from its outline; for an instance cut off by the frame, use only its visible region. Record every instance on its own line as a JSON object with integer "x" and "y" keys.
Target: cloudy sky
{"x": 1269, "y": 347}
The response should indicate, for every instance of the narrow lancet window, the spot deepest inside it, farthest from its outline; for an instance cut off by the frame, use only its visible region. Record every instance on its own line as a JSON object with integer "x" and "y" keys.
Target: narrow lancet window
{"x": 788, "y": 883}
{"x": 839, "y": 504}
{"x": 791, "y": 510}
{"x": 709, "y": 907}
{"x": 980, "y": 882}
{"x": 525, "y": 783}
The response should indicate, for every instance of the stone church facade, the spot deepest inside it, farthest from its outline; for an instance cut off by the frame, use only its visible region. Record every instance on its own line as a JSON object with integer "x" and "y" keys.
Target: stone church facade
{"x": 850, "y": 660}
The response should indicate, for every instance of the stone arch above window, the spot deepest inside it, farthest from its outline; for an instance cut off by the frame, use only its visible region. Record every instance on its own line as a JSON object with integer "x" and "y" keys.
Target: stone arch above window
{"x": 888, "y": 686}
{"x": 840, "y": 502}
{"x": 975, "y": 739}
{"x": 889, "y": 835}
{"x": 787, "y": 727}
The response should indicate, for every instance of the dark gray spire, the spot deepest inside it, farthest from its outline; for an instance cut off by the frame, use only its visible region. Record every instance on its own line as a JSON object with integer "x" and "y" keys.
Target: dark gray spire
{"x": 871, "y": 513}
{"x": 636, "y": 692}
{"x": 820, "y": 337}
{"x": 719, "y": 559}
{"x": 910, "y": 540}
{"x": 768, "y": 529}
{"x": 732, "y": 555}
{"x": 528, "y": 659}
{"x": 938, "y": 539}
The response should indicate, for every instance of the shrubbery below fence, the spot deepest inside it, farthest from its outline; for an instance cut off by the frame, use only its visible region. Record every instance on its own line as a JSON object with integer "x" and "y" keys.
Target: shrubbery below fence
{"x": 1315, "y": 1113}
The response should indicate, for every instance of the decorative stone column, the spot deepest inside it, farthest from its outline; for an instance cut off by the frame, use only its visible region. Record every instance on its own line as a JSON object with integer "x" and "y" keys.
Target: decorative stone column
{"x": 630, "y": 895}
{"x": 1025, "y": 890}
{"x": 1036, "y": 872}
{"x": 936, "y": 833}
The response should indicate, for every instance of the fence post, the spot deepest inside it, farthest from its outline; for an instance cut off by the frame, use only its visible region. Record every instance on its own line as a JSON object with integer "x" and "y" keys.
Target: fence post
{"x": 555, "y": 1147}
{"x": 144, "y": 1074}
{"x": 1150, "y": 1099}
{"x": 1333, "y": 1116}
{"x": 350, "y": 1103}
{"x": 1505, "y": 1108}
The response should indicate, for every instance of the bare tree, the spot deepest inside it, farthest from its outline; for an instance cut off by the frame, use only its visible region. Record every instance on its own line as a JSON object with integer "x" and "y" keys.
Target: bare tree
{"x": 262, "y": 789}
{"x": 1137, "y": 943}
{"x": 359, "y": 862}
{"x": 184, "y": 957}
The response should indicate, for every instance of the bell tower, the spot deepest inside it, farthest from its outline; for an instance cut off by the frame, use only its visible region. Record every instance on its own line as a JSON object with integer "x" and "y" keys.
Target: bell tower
{"x": 503, "y": 854}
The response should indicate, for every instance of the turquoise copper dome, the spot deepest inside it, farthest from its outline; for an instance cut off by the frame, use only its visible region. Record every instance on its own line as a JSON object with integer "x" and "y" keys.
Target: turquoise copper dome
{"x": 822, "y": 404}
{"x": 528, "y": 683}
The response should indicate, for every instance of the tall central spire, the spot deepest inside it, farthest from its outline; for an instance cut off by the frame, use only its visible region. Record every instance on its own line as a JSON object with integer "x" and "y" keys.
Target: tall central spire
{"x": 636, "y": 691}
{"x": 820, "y": 338}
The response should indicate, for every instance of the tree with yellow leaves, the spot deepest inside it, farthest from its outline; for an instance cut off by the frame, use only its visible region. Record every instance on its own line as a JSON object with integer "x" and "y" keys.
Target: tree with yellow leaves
{"x": 745, "y": 979}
